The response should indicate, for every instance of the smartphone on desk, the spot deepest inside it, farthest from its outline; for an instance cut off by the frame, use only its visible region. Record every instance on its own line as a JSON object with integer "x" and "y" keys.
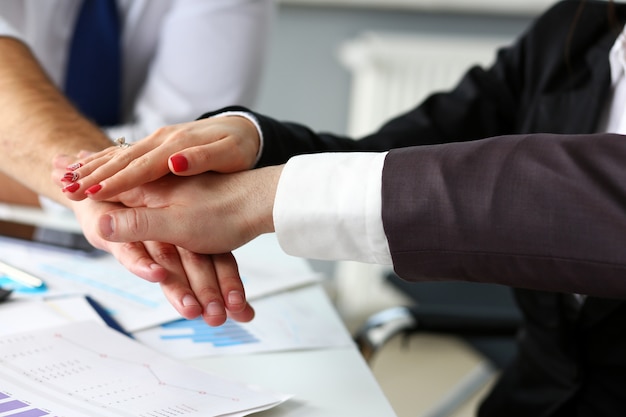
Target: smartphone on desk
{"x": 48, "y": 237}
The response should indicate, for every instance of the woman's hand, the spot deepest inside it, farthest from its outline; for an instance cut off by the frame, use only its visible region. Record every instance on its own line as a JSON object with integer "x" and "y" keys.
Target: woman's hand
{"x": 221, "y": 144}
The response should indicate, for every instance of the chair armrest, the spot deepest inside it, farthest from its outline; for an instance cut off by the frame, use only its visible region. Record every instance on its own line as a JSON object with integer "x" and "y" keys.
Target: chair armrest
{"x": 458, "y": 321}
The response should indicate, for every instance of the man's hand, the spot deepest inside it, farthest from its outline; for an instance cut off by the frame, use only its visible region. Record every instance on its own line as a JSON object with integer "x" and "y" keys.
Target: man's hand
{"x": 207, "y": 285}
{"x": 206, "y": 213}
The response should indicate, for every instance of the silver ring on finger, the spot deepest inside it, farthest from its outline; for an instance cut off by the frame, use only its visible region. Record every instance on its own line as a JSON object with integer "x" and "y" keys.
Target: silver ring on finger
{"x": 121, "y": 143}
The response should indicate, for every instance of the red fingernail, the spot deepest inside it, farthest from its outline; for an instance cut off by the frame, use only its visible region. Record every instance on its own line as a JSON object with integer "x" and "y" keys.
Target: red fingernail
{"x": 179, "y": 163}
{"x": 70, "y": 188}
{"x": 74, "y": 166}
{"x": 70, "y": 177}
{"x": 93, "y": 189}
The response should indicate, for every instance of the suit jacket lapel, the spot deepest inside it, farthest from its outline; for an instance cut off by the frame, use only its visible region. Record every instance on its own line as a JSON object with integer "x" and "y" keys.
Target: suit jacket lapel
{"x": 581, "y": 103}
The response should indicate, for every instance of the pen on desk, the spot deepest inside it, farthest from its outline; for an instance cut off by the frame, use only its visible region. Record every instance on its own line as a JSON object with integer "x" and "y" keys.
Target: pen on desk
{"x": 21, "y": 276}
{"x": 104, "y": 315}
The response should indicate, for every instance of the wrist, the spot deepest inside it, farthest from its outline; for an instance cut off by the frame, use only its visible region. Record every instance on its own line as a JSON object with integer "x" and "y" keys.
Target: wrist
{"x": 260, "y": 213}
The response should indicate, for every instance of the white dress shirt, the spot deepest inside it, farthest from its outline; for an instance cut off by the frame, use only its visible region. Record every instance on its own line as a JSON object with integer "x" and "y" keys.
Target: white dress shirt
{"x": 328, "y": 206}
{"x": 181, "y": 58}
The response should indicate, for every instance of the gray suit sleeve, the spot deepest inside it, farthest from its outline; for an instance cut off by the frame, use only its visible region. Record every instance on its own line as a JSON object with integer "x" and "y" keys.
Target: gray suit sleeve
{"x": 545, "y": 212}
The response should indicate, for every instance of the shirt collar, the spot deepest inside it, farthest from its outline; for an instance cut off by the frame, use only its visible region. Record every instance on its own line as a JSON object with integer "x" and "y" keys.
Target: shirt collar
{"x": 617, "y": 57}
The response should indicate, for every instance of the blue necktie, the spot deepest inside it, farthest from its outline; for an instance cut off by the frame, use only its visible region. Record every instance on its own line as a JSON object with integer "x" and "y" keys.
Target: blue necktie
{"x": 93, "y": 76}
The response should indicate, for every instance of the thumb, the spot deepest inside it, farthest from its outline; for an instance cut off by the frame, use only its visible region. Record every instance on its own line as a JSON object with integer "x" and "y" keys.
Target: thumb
{"x": 133, "y": 225}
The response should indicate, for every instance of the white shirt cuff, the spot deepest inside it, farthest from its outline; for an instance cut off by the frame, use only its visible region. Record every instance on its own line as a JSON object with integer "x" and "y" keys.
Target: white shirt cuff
{"x": 328, "y": 206}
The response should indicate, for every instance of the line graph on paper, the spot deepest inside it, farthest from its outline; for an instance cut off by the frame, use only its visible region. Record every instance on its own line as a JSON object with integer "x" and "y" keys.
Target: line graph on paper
{"x": 89, "y": 366}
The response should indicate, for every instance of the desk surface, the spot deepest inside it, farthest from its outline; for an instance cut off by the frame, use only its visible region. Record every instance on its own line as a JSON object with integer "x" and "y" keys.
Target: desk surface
{"x": 325, "y": 382}
{"x": 329, "y": 382}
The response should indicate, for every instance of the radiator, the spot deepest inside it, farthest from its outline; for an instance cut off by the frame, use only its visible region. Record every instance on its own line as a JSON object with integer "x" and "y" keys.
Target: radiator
{"x": 391, "y": 73}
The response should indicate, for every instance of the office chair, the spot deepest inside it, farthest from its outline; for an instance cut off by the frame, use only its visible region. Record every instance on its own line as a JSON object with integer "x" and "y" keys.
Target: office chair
{"x": 483, "y": 315}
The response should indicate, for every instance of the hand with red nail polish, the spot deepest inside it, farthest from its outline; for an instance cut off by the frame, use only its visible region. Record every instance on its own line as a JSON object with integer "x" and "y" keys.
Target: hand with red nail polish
{"x": 221, "y": 144}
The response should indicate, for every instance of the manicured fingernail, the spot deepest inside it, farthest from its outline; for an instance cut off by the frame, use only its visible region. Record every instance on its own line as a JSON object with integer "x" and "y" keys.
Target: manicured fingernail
{"x": 70, "y": 188}
{"x": 74, "y": 166}
{"x": 189, "y": 300}
{"x": 235, "y": 297}
{"x": 70, "y": 176}
{"x": 93, "y": 189}
{"x": 179, "y": 163}
{"x": 106, "y": 224}
{"x": 214, "y": 309}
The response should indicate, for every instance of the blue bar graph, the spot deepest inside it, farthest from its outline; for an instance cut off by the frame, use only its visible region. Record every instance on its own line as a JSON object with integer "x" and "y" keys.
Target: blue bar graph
{"x": 228, "y": 334}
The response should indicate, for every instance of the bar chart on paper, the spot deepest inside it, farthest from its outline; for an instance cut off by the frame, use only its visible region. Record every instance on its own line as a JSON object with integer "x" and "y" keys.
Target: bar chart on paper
{"x": 12, "y": 407}
{"x": 196, "y": 331}
{"x": 286, "y": 321}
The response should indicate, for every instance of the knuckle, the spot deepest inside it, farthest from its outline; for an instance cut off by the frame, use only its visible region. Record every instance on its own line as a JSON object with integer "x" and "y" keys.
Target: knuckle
{"x": 208, "y": 293}
{"x": 194, "y": 258}
{"x": 164, "y": 254}
{"x": 162, "y": 131}
{"x": 135, "y": 223}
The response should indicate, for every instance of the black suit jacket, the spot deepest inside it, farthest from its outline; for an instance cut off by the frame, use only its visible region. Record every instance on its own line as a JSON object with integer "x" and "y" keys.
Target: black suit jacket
{"x": 544, "y": 209}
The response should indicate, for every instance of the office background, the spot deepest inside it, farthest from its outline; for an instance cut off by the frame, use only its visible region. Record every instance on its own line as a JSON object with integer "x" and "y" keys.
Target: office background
{"x": 305, "y": 81}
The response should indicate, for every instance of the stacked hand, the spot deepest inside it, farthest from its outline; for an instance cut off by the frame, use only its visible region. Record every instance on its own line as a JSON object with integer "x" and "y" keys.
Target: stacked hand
{"x": 178, "y": 231}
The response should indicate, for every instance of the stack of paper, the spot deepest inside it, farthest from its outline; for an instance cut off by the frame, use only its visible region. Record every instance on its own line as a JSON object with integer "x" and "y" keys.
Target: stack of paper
{"x": 85, "y": 369}
{"x": 58, "y": 357}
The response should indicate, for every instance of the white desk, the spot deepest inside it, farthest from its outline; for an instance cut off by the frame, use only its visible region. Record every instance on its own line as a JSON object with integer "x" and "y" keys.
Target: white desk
{"x": 333, "y": 382}
{"x": 330, "y": 382}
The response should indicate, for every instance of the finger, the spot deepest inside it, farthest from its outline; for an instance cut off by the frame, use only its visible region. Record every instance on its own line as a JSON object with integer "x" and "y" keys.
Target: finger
{"x": 243, "y": 316}
{"x": 202, "y": 276}
{"x": 91, "y": 170}
{"x": 109, "y": 181}
{"x": 87, "y": 162}
{"x": 229, "y": 281}
{"x": 175, "y": 285}
{"x": 60, "y": 174}
{"x": 137, "y": 224}
{"x": 228, "y": 155}
{"x": 129, "y": 167}
{"x": 134, "y": 257}
{"x": 232, "y": 288}
{"x": 77, "y": 170}
{"x": 59, "y": 169}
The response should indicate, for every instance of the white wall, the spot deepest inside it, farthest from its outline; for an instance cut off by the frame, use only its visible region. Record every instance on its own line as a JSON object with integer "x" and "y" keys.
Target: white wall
{"x": 304, "y": 80}
{"x": 528, "y": 7}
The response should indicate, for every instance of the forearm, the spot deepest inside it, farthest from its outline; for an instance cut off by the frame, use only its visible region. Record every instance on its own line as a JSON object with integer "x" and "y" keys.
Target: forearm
{"x": 37, "y": 122}
{"x": 541, "y": 211}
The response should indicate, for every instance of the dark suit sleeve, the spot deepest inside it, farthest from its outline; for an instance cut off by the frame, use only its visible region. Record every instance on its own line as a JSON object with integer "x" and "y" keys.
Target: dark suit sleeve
{"x": 486, "y": 102}
{"x": 540, "y": 211}
{"x": 483, "y": 104}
